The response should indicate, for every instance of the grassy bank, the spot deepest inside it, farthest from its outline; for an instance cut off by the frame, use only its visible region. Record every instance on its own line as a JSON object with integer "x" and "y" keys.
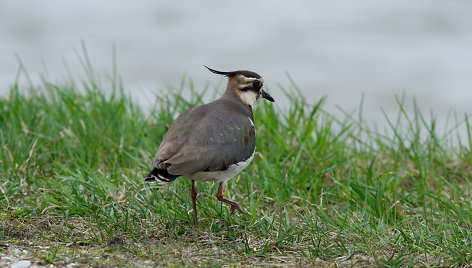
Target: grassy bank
{"x": 320, "y": 190}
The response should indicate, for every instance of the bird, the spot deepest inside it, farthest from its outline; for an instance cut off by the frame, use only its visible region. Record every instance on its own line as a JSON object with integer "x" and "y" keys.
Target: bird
{"x": 213, "y": 141}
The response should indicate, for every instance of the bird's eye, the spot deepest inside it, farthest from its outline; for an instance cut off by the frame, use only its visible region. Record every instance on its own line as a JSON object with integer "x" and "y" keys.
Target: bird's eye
{"x": 256, "y": 84}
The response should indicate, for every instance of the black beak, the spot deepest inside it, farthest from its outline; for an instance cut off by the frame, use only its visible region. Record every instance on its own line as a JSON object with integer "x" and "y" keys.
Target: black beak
{"x": 266, "y": 96}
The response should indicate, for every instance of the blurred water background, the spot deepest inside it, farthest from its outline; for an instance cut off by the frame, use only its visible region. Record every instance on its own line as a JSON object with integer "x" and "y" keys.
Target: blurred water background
{"x": 338, "y": 49}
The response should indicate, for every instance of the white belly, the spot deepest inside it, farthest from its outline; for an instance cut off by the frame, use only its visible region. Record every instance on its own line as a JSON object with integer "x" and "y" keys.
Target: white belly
{"x": 221, "y": 176}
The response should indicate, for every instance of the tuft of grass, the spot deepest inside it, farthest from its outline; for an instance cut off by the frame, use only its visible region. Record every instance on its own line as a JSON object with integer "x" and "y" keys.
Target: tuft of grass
{"x": 321, "y": 189}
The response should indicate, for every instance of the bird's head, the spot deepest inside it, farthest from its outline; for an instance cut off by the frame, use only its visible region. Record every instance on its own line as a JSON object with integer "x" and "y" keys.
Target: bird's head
{"x": 246, "y": 85}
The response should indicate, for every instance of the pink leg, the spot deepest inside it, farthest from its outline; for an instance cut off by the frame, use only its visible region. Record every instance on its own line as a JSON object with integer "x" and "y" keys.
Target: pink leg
{"x": 193, "y": 194}
{"x": 233, "y": 204}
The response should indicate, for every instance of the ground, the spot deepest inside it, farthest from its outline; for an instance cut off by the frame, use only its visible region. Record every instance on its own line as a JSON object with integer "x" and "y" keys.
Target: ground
{"x": 321, "y": 190}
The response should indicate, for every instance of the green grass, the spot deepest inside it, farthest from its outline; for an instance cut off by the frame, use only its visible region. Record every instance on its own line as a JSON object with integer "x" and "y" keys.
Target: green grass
{"x": 321, "y": 189}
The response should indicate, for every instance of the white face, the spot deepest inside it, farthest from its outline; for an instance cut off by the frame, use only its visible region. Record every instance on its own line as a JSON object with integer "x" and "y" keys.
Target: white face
{"x": 247, "y": 81}
{"x": 249, "y": 97}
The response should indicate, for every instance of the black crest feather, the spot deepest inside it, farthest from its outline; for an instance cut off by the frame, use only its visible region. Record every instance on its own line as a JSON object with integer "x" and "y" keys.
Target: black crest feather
{"x": 234, "y": 73}
{"x": 228, "y": 74}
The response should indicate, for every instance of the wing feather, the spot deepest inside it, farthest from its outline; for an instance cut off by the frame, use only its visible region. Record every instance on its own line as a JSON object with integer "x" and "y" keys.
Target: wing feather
{"x": 209, "y": 141}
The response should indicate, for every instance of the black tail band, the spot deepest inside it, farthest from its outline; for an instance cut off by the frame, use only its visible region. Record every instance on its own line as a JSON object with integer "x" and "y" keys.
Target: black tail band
{"x": 157, "y": 174}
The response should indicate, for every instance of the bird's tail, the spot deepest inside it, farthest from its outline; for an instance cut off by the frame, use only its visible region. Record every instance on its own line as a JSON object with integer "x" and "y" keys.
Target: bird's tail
{"x": 160, "y": 175}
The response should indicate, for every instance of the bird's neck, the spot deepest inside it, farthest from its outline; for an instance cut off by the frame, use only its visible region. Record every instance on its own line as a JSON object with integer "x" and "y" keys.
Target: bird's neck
{"x": 235, "y": 99}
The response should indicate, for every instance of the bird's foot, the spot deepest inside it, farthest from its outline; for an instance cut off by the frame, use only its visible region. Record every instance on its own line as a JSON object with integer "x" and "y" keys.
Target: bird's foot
{"x": 235, "y": 206}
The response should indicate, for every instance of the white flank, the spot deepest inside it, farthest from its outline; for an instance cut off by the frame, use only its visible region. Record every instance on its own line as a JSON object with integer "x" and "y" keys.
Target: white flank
{"x": 252, "y": 123}
{"x": 222, "y": 176}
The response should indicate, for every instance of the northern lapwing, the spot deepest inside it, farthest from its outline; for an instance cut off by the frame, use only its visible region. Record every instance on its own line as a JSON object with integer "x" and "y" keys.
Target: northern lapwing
{"x": 214, "y": 141}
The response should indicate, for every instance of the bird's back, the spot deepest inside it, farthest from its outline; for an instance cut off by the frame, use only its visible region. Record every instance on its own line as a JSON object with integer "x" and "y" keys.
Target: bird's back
{"x": 209, "y": 137}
